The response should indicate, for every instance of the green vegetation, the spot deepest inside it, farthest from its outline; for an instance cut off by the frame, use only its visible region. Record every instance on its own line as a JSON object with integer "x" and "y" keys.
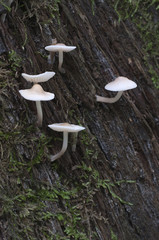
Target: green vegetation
{"x": 14, "y": 60}
{"x": 113, "y": 236}
{"x": 3, "y": 2}
{"x": 93, "y": 6}
{"x": 32, "y": 9}
{"x": 93, "y": 178}
{"x": 78, "y": 194}
{"x": 144, "y": 14}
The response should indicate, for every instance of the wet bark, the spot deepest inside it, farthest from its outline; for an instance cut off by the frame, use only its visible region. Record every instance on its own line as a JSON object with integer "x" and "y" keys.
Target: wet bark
{"x": 122, "y": 137}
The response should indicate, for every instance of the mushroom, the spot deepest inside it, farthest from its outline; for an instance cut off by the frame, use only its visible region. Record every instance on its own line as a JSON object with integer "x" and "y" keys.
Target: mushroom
{"x": 43, "y": 77}
{"x": 119, "y": 85}
{"x": 65, "y": 128}
{"x": 36, "y": 93}
{"x": 60, "y": 47}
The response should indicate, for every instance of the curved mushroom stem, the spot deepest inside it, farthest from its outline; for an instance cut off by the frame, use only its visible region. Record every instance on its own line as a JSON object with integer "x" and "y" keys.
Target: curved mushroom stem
{"x": 109, "y": 100}
{"x": 62, "y": 70}
{"x": 74, "y": 141}
{"x": 39, "y": 113}
{"x": 64, "y": 147}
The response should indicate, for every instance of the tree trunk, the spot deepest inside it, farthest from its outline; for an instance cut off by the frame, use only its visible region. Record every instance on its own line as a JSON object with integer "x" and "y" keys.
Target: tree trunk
{"x": 108, "y": 187}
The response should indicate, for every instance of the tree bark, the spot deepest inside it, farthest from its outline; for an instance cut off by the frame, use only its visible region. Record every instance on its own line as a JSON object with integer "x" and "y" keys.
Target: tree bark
{"x": 108, "y": 188}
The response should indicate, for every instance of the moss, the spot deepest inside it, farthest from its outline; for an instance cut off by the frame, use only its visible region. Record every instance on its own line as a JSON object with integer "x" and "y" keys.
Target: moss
{"x": 3, "y": 2}
{"x": 33, "y": 10}
{"x": 14, "y": 60}
{"x": 78, "y": 194}
{"x": 94, "y": 179}
{"x": 93, "y": 6}
{"x": 113, "y": 236}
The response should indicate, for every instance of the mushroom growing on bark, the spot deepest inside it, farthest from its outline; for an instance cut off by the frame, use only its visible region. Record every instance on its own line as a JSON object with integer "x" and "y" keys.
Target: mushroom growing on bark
{"x": 60, "y": 48}
{"x": 43, "y": 77}
{"x": 37, "y": 94}
{"x": 65, "y": 128}
{"x": 119, "y": 85}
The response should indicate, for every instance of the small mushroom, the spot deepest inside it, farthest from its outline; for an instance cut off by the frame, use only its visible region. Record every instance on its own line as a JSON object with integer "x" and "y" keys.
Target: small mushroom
{"x": 43, "y": 77}
{"x": 37, "y": 94}
{"x": 65, "y": 128}
{"x": 119, "y": 85}
{"x": 60, "y": 47}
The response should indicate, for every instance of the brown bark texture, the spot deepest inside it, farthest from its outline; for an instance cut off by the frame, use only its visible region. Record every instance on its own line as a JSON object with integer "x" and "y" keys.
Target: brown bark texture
{"x": 108, "y": 188}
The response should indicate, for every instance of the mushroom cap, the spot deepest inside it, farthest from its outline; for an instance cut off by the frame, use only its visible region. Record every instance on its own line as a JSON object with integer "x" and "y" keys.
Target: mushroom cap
{"x": 36, "y": 93}
{"x": 59, "y": 47}
{"x": 65, "y": 127}
{"x": 120, "y": 84}
{"x": 43, "y": 77}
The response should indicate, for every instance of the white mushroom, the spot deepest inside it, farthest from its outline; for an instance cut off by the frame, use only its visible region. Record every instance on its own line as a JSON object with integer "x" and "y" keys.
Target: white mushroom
{"x": 60, "y": 48}
{"x": 65, "y": 128}
{"x": 37, "y": 94}
{"x": 43, "y": 77}
{"x": 119, "y": 85}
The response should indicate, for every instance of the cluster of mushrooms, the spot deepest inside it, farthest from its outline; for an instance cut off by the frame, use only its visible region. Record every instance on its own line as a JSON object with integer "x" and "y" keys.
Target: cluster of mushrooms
{"x": 37, "y": 94}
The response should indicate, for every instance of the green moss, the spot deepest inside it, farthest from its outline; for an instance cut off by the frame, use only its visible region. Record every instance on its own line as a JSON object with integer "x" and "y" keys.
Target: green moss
{"x": 78, "y": 194}
{"x": 3, "y": 2}
{"x": 14, "y": 60}
{"x": 113, "y": 236}
{"x": 31, "y": 9}
{"x": 94, "y": 177}
{"x": 93, "y": 6}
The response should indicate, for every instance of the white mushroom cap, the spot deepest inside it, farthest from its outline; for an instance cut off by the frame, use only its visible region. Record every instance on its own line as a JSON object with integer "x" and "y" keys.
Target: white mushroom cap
{"x": 59, "y": 47}
{"x": 65, "y": 127}
{"x": 43, "y": 77}
{"x": 36, "y": 93}
{"x": 120, "y": 84}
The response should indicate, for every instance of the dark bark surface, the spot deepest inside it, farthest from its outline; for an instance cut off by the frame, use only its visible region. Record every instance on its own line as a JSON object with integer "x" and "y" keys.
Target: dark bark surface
{"x": 120, "y": 141}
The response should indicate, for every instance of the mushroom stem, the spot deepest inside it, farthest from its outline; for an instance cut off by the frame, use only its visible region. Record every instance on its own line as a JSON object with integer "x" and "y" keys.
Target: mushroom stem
{"x": 64, "y": 147}
{"x": 74, "y": 141}
{"x": 39, "y": 113}
{"x": 62, "y": 70}
{"x": 109, "y": 100}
